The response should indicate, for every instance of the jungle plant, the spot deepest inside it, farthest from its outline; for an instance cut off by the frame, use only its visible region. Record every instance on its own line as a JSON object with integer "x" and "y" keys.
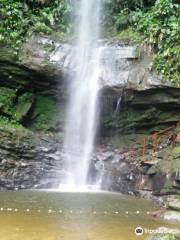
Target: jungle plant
{"x": 17, "y": 18}
{"x": 160, "y": 29}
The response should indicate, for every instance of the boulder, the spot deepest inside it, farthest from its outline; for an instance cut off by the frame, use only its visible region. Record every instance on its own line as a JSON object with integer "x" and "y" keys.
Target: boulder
{"x": 24, "y": 105}
{"x": 171, "y": 216}
{"x": 164, "y": 233}
{"x": 174, "y": 203}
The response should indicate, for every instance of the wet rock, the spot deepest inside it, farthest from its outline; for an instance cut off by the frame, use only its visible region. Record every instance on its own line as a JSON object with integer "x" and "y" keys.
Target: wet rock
{"x": 116, "y": 174}
{"x": 174, "y": 203}
{"x": 27, "y": 161}
{"x": 176, "y": 152}
{"x": 171, "y": 216}
{"x": 164, "y": 233}
{"x": 105, "y": 156}
{"x": 46, "y": 59}
{"x": 152, "y": 171}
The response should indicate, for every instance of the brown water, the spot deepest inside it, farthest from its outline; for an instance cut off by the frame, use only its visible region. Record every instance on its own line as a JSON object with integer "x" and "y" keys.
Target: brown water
{"x": 32, "y": 215}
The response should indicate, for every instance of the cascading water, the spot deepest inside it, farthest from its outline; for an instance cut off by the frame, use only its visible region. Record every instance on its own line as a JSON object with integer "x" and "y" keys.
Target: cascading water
{"x": 82, "y": 110}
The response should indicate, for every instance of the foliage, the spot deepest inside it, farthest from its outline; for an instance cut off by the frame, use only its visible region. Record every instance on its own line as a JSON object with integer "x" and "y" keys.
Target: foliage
{"x": 11, "y": 21}
{"x": 129, "y": 35}
{"x": 41, "y": 28}
{"x": 6, "y": 123}
{"x": 7, "y": 97}
{"x": 160, "y": 28}
{"x": 18, "y": 17}
{"x": 62, "y": 10}
{"x": 158, "y": 23}
{"x": 118, "y": 13}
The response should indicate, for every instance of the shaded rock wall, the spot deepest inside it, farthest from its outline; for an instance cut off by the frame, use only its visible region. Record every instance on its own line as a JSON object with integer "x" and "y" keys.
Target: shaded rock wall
{"x": 128, "y": 110}
{"x": 141, "y": 164}
{"x": 24, "y": 90}
{"x": 29, "y": 160}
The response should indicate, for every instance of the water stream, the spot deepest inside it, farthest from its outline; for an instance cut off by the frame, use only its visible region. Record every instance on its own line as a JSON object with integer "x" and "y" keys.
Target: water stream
{"x": 82, "y": 114}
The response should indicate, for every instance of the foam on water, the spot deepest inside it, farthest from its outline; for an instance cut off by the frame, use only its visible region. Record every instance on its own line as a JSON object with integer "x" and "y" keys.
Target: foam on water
{"x": 81, "y": 188}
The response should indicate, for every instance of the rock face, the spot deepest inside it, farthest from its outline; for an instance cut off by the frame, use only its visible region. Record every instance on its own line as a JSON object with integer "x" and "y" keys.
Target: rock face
{"x": 131, "y": 96}
{"x": 130, "y": 110}
{"x": 174, "y": 204}
{"x": 123, "y": 66}
{"x": 132, "y": 169}
{"x": 163, "y": 233}
{"x": 137, "y": 109}
{"x": 29, "y": 160}
{"x": 172, "y": 216}
{"x": 46, "y": 62}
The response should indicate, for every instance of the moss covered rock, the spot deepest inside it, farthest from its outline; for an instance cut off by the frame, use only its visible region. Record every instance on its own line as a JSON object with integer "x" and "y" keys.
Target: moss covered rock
{"x": 47, "y": 114}
{"x": 25, "y": 102}
{"x": 176, "y": 152}
{"x": 164, "y": 236}
{"x": 12, "y": 106}
{"x": 174, "y": 203}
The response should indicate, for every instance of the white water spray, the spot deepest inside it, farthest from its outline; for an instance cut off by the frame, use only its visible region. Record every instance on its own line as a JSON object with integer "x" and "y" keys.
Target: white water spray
{"x": 82, "y": 110}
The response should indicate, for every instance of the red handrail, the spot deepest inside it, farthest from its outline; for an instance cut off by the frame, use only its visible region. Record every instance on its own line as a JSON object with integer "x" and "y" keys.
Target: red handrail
{"x": 156, "y": 139}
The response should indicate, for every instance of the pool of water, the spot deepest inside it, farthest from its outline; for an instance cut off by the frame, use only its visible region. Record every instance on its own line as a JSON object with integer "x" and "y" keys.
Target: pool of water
{"x": 37, "y": 215}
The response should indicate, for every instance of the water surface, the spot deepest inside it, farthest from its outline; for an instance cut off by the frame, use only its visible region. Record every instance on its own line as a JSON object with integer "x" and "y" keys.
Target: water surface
{"x": 33, "y": 215}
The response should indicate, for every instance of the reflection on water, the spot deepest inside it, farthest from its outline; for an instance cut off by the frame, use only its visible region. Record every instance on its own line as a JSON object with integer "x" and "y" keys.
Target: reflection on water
{"x": 32, "y": 215}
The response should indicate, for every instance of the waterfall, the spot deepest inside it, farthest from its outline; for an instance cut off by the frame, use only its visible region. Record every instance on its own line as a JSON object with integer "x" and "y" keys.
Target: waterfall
{"x": 82, "y": 113}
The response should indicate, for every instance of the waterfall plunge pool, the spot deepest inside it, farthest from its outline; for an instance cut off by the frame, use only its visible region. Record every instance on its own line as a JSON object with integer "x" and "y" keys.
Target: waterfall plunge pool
{"x": 44, "y": 215}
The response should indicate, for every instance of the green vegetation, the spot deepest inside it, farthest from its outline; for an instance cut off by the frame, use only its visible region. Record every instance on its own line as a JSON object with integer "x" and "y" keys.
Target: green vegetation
{"x": 19, "y": 18}
{"x": 152, "y": 22}
{"x": 158, "y": 23}
{"x": 40, "y": 113}
{"x": 119, "y": 13}
{"x": 12, "y": 106}
{"x": 128, "y": 35}
{"x": 160, "y": 29}
{"x": 7, "y": 97}
{"x": 6, "y": 123}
